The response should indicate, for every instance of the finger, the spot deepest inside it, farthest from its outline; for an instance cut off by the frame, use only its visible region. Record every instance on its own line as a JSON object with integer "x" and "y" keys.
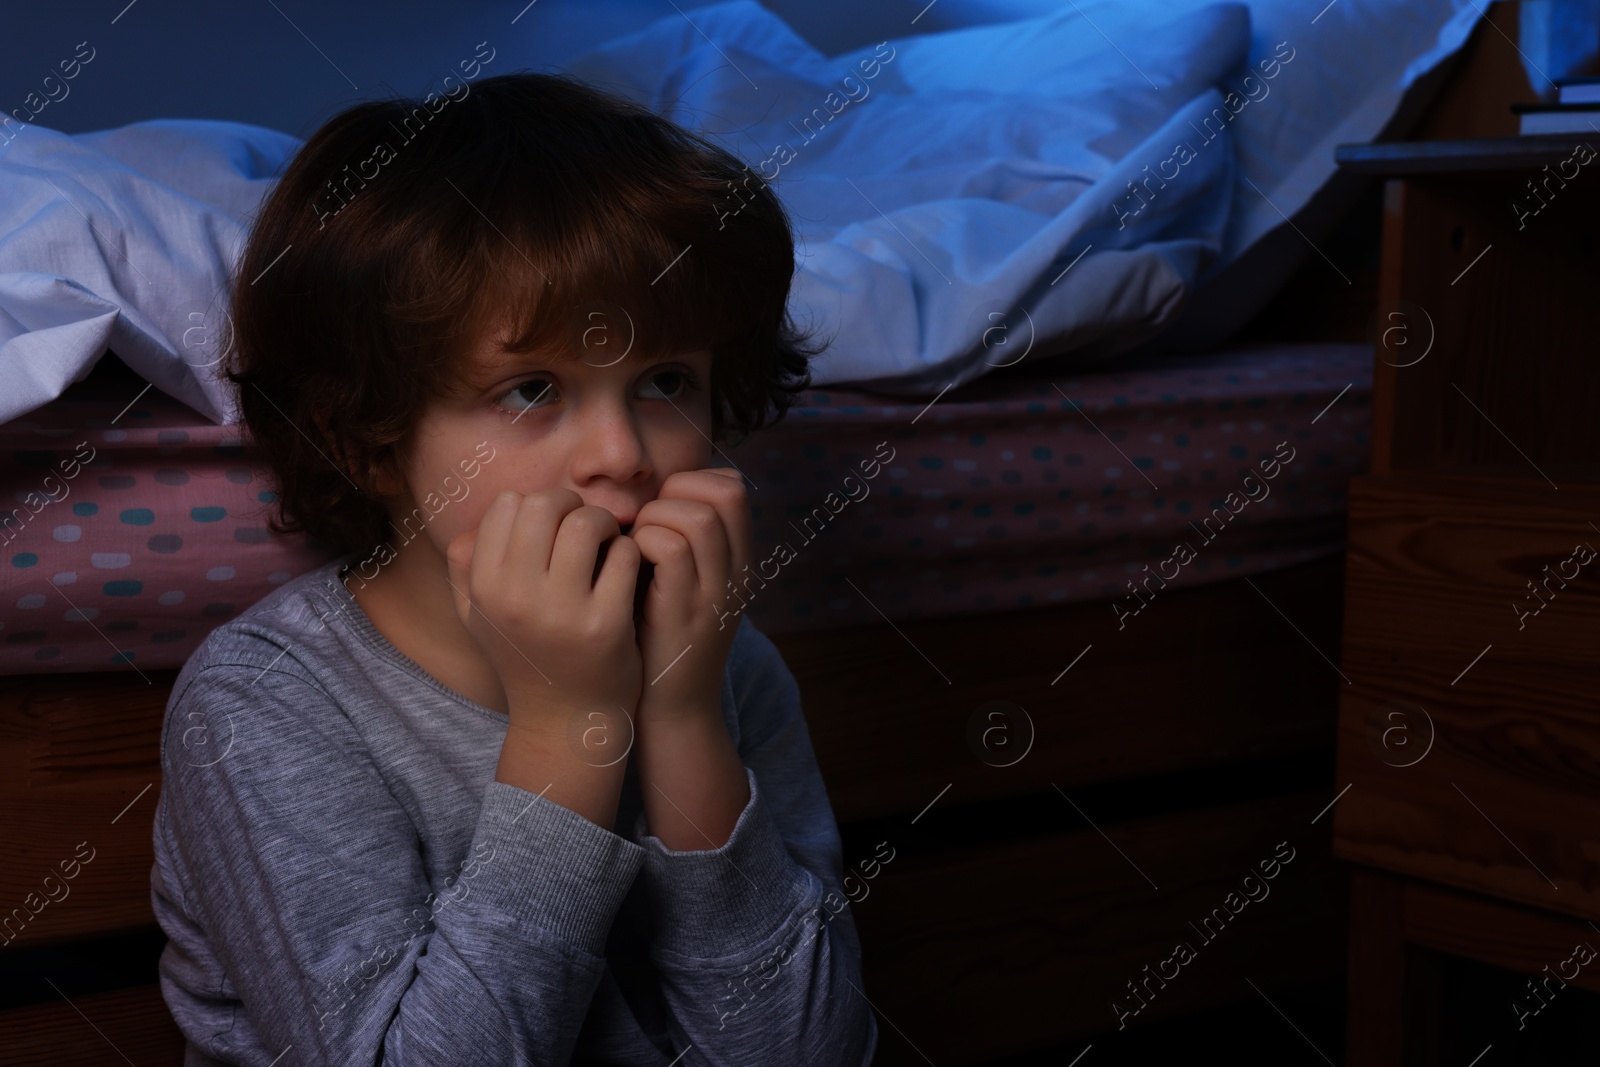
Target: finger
{"x": 700, "y": 525}
{"x": 724, "y": 489}
{"x": 493, "y": 534}
{"x": 671, "y": 555}
{"x": 577, "y": 544}
{"x": 489, "y": 543}
{"x": 532, "y": 538}
{"x": 620, "y": 574}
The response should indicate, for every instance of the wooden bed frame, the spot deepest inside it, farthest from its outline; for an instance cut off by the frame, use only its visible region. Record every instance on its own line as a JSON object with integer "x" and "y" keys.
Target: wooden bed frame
{"x": 1019, "y": 905}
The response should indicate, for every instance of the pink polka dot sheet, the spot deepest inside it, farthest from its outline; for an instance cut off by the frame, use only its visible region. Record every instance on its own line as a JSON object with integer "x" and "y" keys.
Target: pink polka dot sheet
{"x": 137, "y": 525}
{"x": 130, "y": 526}
{"x": 1051, "y": 488}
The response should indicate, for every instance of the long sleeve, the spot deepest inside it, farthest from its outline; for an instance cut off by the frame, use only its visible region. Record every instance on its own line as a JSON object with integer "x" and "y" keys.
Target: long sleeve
{"x": 758, "y": 952}
{"x": 294, "y": 860}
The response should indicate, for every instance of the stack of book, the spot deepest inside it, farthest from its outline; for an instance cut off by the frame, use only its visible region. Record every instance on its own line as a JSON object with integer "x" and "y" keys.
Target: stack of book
{"x": 1576, "y": 110}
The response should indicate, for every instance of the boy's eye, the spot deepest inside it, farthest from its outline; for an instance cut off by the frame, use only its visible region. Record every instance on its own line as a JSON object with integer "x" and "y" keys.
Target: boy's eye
{"x": 530, "y": 394}
{"x": 684, "y": 380}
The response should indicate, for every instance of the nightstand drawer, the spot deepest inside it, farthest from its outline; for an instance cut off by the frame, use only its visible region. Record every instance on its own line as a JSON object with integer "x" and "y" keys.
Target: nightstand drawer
{"x": 1469, "y": 729}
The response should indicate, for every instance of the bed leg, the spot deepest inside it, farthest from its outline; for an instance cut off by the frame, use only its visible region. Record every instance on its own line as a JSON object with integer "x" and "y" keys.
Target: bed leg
{"x": 1394, "y": 988}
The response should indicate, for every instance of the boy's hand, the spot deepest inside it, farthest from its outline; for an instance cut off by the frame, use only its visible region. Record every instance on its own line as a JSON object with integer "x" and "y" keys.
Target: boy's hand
{"x": 697, "y": 533}
{"x": 561, "y": 647}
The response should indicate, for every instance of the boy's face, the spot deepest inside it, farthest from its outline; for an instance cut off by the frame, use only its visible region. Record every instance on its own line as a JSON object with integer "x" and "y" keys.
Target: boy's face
{"x": 610, "y": 433}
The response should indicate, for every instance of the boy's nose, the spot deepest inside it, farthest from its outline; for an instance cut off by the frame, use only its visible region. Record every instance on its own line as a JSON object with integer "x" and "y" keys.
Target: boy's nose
{"x": 610, "y": 449}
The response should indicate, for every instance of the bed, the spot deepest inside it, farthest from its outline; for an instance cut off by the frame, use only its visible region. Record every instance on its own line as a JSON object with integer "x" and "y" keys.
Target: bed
{"x": 1072, "y": 760}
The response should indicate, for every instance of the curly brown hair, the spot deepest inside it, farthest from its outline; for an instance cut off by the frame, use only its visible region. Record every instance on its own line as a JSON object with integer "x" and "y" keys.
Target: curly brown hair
{"x": 531, "y": 204}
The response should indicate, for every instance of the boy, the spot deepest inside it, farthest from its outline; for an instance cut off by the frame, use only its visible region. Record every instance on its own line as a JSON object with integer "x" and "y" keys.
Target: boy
{"x": 488, "y": 788}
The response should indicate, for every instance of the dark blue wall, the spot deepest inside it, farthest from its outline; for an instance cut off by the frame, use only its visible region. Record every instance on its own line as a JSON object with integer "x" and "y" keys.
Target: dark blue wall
{"x": 291, "y": 64}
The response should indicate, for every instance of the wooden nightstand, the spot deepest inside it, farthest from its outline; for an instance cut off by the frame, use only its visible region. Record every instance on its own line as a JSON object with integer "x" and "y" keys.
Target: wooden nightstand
{"x": 1469, "y": 732}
